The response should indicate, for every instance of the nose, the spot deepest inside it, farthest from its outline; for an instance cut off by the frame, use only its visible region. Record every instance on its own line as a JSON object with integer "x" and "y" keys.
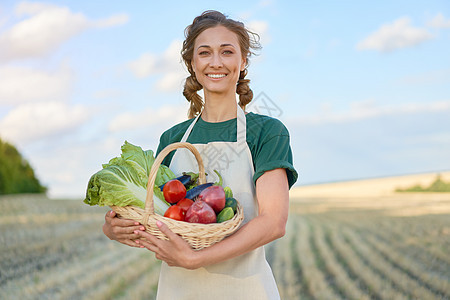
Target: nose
{"x": 216, "y": 61}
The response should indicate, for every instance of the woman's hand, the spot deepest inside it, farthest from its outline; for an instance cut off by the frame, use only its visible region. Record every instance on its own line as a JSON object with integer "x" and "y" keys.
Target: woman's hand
{"x": 176, "y": 252}
{"x": 121, "y": 230}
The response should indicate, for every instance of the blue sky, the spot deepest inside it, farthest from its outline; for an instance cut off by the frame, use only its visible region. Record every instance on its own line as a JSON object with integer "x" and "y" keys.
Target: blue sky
{"x": 363, "y": 87}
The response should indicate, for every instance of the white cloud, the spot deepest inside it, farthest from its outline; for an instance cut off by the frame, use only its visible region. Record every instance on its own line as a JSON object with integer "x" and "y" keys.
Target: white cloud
{"x": 167, "y": 65}
{"x": 144, "y": 66}
{"x": 441, "y": 76}
{"x": 147, "y": 118}
{"x": 3, "y": 19}
{"x": 45, "y": 29}
{"x": 34, "y": 121}
{"x": 31, "y": 8}
{"x": 395, "y": 35}
{"x": 66, "y": 167}
{"x": 112, "y": 21}
{"x": 20, "y": 84}
{"x": 439, "y": 21}
{"x": 107, "y": 94}
{"x": 172, "y": 81}
{"x": 262, "y": 29}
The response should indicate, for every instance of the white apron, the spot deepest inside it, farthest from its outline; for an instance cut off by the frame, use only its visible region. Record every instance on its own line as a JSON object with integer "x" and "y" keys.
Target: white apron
{"x": 246, "y": 277}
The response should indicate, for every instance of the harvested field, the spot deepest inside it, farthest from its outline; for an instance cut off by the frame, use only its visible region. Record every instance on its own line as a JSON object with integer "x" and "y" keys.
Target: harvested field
{"x": 381, "y": 245}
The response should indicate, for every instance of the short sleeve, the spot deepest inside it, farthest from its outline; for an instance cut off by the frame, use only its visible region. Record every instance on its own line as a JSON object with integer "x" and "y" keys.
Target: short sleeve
{"x": 274, "y": 152}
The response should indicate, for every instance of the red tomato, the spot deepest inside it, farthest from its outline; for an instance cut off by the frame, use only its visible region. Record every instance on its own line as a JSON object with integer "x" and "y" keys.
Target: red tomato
{"x": 174, "y": 191}
{"x": 185, "y": 204}
{"x": 175, "y": 212}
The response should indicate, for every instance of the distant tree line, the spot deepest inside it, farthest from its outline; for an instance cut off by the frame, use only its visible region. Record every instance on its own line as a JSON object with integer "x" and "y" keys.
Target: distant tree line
{"x": 16, "y": 174}
{"x": 437, "y": 186}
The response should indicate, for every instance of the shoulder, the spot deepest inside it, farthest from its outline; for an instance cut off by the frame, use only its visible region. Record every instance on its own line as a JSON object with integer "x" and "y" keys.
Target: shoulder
{"x": 269, "y": 143}
{"x": 176, "y": 132}
{"x": 265, "y": 126}
{"x": 173, "y": 134}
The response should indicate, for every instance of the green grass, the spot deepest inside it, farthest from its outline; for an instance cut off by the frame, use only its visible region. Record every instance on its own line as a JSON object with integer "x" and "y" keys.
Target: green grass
{"x": 437, "y": 186}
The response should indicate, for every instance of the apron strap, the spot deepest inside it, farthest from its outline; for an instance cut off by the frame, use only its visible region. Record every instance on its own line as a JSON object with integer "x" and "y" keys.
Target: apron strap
{"x": 188, "y": 131}
{"x": 241, "y": 136}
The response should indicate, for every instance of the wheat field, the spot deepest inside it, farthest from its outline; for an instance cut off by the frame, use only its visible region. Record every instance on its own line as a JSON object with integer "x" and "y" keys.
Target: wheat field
{"x": 360, "y": 246}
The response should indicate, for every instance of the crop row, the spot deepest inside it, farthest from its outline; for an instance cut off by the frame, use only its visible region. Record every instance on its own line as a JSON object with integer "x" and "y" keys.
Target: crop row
{"x": 61, "y": 253}
{"x": 327, "y": 259}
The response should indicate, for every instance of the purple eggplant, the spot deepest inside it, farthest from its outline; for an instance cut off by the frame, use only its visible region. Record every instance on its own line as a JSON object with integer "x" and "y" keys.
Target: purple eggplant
{"x": 195, "y": 191}
{"x": 187, "y": 179}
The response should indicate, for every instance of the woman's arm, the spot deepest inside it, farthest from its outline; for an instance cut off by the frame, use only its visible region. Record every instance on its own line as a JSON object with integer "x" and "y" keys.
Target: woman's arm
{"x": 272, "y": 191}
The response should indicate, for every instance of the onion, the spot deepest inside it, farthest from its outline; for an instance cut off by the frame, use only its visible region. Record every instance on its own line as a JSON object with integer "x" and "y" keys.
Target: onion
{"x": 200, "y": 212}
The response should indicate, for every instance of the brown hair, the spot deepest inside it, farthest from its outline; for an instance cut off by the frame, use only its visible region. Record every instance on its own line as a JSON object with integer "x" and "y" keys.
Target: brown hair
{"x": 248, "y": 41}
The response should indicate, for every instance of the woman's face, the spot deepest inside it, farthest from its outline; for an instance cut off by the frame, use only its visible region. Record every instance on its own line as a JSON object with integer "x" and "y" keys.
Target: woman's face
{"x": 217, "y": 60}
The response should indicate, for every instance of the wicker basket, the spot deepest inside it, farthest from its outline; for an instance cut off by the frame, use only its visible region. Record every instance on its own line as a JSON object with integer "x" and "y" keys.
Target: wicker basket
{"x": 197, "y": 235}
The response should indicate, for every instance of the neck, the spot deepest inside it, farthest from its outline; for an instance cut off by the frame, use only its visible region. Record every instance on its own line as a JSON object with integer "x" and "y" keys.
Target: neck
{"x": 219, "y": 107}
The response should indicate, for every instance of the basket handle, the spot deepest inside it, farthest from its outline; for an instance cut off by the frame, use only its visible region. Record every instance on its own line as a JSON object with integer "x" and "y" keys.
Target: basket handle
{"x": 149, "y": 207}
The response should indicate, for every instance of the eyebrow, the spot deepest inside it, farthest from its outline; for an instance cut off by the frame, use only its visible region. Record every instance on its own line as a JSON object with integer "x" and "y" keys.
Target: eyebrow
{"x": 222, "y": 45}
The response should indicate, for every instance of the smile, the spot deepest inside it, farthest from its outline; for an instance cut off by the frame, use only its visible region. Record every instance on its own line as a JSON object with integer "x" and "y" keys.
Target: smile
{"x": 216, "y": 75}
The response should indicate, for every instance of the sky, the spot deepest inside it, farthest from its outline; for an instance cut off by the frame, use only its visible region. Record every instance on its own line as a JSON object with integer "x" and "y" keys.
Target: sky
{"x": 363, "y": 87}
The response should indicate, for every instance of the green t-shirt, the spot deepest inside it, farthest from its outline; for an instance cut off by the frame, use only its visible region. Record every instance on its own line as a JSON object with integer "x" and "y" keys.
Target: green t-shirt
{"x": 267, "y": 138}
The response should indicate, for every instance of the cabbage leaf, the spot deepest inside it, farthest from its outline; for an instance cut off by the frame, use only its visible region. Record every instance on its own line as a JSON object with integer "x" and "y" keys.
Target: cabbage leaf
{"x": 123, "y": 180}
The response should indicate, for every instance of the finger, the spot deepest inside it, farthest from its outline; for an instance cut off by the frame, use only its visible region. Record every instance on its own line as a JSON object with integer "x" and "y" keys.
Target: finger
{"x": 127, "y": 232}
{"x": 150, "y": 246}
{"x": 165, "y": 229}
{"x": 123, "y": 222}
{"x": 149, "y": 237}
{"x": 127, "y": 237}
{"x": 129, "y": 243}
{"x": 112, "y": 217}
{"x": 109, "y": 214}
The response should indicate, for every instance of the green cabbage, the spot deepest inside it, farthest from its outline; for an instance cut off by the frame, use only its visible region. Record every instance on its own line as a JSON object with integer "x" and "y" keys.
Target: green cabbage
{"x": 123, "y": 180}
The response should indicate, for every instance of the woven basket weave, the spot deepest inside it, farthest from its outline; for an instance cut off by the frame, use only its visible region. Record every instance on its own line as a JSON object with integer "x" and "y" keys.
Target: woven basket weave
{"x": 197, "y": 235}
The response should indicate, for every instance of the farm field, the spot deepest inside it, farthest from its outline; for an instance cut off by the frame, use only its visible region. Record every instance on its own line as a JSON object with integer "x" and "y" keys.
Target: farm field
{"x": 382, "y": 246}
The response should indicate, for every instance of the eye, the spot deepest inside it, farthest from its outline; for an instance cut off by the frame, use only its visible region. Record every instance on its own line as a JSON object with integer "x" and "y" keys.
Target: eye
{"x": 227, "y": 52}
{"x": 203, "y": 52}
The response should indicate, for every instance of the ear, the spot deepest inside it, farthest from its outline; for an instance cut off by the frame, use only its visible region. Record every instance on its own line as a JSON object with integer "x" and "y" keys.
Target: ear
{"x": 243, "y": 63}
{"x": 193, "y": 65}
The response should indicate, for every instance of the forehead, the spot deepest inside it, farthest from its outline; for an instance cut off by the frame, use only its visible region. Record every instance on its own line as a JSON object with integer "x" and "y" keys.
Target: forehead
{"x": 217, "y": 36}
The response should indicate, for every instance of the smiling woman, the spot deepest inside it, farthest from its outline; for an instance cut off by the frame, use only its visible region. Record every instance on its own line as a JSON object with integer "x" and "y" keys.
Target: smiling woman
{"x": 251, "y": 152}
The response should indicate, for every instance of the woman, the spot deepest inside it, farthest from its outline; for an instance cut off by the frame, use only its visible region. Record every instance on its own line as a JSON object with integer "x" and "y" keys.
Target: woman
{"x": 254, "y": 157}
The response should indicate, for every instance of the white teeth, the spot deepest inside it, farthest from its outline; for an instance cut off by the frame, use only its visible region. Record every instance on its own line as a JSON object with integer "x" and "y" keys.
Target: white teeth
{"x": 216, "y": 75}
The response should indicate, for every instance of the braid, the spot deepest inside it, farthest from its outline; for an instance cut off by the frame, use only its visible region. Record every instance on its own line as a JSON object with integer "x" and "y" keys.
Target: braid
{"x": 191, "y": 87}
{"x": 243, "y": 90}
